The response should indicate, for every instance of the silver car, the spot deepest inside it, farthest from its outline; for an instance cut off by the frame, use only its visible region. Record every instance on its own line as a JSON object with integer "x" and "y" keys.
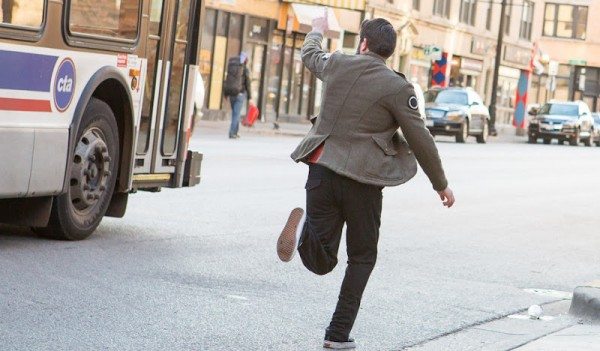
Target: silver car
{"x": 459, "y": 112}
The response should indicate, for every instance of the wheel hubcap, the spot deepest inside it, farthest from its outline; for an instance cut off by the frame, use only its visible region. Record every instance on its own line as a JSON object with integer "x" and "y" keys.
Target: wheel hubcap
{"x": 466, "y": 131}
{"x": 90, "y": 171}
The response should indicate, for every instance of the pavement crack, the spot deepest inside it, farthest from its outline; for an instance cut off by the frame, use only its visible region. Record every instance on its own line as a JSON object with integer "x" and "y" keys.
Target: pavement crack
{"x": 469, "y": 326}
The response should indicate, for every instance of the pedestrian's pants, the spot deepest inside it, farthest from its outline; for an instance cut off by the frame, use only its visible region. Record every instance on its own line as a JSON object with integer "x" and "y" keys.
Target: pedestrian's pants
{"x": 236, "y": 109}
{"x": 331, "y": 201}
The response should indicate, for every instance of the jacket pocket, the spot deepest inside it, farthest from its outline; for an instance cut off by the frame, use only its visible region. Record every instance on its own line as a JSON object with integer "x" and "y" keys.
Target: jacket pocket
{"x": 385, "y": 146}
{"x": 312, "y": 184}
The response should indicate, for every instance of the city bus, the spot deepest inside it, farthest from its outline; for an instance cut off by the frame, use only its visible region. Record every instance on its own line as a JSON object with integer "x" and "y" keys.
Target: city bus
{"x": 96, "y": 101}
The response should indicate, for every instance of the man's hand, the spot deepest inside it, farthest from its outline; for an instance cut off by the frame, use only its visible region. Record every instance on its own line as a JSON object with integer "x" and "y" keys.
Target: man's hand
{"x": 320, "y": 24}
{"x": 447, "y": 197}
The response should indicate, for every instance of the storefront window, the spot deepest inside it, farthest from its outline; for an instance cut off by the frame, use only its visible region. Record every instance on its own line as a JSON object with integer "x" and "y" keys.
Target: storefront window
{"x": 285, "y": 76}
{"x": 274, "y": 68}
{"x": 206, "y": 48}
{"x": 258, "y": 29}
{"x": 234, "y": 35}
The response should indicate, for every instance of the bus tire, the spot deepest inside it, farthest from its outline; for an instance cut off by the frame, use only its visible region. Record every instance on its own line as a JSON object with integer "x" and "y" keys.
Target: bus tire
{"x": 94, "y": 166}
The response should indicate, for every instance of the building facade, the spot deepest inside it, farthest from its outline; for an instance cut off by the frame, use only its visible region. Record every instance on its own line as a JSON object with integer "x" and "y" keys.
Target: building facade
{"x": 456, "y": 46}
{"x": 440, "y": 43}
{"x": 569, "y": 46}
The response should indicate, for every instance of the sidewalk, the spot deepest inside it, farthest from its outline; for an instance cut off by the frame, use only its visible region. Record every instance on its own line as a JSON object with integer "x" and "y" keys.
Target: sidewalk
{"x": 506, "y": 133}
{"x": 579, "y": 337}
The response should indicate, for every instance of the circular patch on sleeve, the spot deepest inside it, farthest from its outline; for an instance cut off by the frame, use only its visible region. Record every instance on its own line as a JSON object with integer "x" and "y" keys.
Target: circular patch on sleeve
{"x": 413, "y": 103}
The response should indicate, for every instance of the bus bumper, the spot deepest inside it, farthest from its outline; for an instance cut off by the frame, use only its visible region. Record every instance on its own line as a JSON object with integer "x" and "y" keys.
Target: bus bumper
{"x": 191, "y": 173}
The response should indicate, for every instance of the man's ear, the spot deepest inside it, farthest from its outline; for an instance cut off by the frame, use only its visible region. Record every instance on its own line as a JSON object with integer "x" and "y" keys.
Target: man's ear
{"x": 363, "y": 46}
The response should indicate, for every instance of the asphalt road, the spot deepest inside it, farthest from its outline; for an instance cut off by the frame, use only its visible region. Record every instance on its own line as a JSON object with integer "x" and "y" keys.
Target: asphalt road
{"x": 196, "y": 269}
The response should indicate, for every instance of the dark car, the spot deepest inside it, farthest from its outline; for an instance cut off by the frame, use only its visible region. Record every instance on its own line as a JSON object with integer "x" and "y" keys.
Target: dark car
{"x": 562, "y": 120}
{"x": 596, "y": 131}
{"x": 458, "y": 112}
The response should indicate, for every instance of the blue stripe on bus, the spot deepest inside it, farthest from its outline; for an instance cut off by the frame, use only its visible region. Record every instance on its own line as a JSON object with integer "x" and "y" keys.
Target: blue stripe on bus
{"x": 26, "y": 71}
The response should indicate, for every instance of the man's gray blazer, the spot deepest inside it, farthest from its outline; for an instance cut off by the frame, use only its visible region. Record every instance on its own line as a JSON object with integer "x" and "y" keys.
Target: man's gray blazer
{"x": 364, "y": 103}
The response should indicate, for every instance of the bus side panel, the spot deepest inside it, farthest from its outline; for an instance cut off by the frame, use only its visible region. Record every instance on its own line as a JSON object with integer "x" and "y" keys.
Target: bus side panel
{"x": 48, "y": 165}
{"x": 16, "y": 148}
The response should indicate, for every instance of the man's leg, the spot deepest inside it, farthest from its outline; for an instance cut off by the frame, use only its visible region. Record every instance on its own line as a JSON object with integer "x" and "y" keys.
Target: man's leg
{"x": 362, "y": 210}
{"x": 236, "y": 107}
{"x": 320, "y": 240}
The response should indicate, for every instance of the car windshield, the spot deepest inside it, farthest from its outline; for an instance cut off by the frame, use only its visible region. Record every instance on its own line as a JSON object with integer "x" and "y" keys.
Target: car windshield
{"x": 452, "y": 97}
{"x": 430, "y": 95}
{"x": 560, "y": 109}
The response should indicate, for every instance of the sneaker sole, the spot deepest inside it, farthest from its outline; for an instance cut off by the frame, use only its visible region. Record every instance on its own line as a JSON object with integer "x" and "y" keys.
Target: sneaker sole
{"x": 339, "y": 345}
{"x": 286, "y": 244}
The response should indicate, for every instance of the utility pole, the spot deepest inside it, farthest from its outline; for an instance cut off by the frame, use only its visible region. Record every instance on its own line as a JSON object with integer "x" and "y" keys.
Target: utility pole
{"x": 497, "y": 69}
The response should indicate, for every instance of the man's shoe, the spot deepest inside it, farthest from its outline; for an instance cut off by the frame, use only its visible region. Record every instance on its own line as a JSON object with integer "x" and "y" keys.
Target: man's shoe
{"x": 288, "y": 239}
{"x": 339, "y": 345}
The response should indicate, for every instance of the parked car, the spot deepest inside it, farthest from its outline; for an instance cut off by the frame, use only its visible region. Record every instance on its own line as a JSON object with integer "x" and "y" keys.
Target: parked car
{"x": 570, "y": 121}
{"x": 459, "y": 112}
{"x": 596, "y": 131}
{"x": 431, "y": 94}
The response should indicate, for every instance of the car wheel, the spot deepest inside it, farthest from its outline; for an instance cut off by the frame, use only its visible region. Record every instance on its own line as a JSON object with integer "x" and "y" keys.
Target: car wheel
{"x": 462, "y": 136}
{"x": 547, "y": 141}
{"x": 93, "y": 172}
{"x": 531, "y": 139}
{"x": 482, "y": 138}
{"x": 588, "y": 141}
{"x": 575, "y": 139}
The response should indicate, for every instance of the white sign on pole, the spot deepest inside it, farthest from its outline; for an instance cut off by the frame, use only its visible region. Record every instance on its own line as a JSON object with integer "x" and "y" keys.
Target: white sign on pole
{"x": 553, "y": 68}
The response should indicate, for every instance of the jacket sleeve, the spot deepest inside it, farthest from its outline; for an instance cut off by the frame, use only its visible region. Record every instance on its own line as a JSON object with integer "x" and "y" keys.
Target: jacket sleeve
{"x": 247, "y": 83}
{"x": 419, "y": 139}
{"x": 313, "y": 56}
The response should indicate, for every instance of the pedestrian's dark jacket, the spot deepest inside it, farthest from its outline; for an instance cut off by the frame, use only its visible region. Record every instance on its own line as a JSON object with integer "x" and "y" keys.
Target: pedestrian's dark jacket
{"x": 364, "y": 104}
{"x": 246, "y": 78}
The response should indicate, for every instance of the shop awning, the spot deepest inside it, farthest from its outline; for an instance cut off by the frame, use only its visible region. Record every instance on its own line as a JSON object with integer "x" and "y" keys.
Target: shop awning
{"x": 298, "y": 18}
{"x": 358, "y": 5}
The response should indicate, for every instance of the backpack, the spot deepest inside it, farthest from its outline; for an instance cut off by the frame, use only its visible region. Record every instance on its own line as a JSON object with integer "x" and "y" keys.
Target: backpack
{"x": 234, "y": 81}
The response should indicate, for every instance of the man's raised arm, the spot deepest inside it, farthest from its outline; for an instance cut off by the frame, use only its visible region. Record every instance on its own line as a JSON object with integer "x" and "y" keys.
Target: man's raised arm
{"x": 313, "y": 56}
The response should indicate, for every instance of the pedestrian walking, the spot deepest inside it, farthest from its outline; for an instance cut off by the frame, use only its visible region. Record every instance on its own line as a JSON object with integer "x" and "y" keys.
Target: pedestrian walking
{"x": 353, "y": 151}
{"x": 237, "y": 88}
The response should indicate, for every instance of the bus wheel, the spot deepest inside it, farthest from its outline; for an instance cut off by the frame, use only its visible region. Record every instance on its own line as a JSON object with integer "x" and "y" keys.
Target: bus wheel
{"x": 94, "y": 165}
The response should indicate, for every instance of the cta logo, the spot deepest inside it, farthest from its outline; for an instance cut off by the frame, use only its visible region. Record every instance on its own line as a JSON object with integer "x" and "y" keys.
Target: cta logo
{"x": 64, "y": 85}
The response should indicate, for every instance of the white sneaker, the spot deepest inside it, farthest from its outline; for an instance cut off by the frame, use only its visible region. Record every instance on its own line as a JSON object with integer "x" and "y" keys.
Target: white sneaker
{"x": 288, "y": 239}
{"x": 339, "y": 345}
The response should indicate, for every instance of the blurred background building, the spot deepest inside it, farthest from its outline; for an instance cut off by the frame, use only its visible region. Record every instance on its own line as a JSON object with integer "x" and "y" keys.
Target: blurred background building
{"x": 440, "y": 43}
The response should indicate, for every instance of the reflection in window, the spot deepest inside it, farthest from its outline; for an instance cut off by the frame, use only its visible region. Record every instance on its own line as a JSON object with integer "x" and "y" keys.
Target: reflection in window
{"x": 174, "y": 106}
{"x": 151, "y": 83}
{"x": 107, "y": 18}
{"x": 23, "y": 13}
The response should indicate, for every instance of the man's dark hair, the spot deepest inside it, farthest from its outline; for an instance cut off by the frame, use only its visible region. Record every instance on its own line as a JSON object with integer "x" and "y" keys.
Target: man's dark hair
{"x": 380, "y": 35}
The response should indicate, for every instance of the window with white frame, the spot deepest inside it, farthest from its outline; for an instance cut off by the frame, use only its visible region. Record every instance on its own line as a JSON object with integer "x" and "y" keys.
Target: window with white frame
{"x": 565, "y": 21}
{"x": 442, "y": 8}
{"x": 467, "y": 11}
{"x": 526, "y": 20}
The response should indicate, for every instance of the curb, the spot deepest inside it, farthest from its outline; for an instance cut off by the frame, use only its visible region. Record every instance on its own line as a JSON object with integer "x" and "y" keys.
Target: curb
{"x": 586, "y": 302}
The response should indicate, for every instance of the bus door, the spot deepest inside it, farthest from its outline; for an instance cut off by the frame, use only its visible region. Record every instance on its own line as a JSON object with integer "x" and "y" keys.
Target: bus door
{"x": 166, "y": 87}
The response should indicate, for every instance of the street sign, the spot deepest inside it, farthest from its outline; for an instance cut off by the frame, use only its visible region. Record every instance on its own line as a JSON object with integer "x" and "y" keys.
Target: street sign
{"x": 577, "y": 62}
{"x": 433, "y": 52}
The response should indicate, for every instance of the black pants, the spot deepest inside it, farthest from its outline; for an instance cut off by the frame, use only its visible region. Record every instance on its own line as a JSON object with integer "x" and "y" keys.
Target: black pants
{"x": 331, "y": 201}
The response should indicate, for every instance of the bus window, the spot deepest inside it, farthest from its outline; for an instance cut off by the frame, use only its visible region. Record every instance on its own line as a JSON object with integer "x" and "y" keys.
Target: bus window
{"x": 116, "y": 19}
{"x": 174, "y": 106}
{"x": 22, "y": 13}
